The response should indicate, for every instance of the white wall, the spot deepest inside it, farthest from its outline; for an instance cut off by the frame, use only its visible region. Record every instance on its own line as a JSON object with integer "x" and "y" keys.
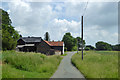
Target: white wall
{"x": 63, "y": 47}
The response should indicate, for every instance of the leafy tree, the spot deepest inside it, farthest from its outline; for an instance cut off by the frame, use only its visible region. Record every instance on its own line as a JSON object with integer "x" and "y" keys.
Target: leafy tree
{"x": 9, "y": 34}
{"x": 47, "y": 36}
{"x": 69, "y": 41}
{"x": 87, "y": 48}
{"x": 116, "y": 47}
{"x": 75, "y": 48}
{"x": 79, "y": 42}
{"x": 5, "y": 17}
{"x": 103, "y": 46}
{"x": 90, "y": 47}
{"x": 20, "y": 35}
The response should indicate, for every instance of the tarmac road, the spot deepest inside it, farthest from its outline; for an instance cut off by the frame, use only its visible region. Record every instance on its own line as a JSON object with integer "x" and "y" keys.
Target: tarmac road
{"x": 66, "y": 69}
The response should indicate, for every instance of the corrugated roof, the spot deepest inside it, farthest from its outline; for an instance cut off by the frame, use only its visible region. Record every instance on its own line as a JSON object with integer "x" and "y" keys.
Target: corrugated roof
{"x": 31, "y": 39}
{"x": 55, "y": 43}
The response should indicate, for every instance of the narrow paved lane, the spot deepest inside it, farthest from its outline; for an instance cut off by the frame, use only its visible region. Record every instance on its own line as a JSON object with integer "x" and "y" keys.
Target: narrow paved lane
{"x": 66, "y": 69}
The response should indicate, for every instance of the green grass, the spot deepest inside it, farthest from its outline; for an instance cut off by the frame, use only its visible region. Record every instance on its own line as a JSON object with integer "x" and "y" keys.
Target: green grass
{"x": 28, "y": 65}
{"x": 64, "y": 54}
{"x": 0, "y": 71}
{"x": 97, "y": 64}
{"x": 11, "y": 72}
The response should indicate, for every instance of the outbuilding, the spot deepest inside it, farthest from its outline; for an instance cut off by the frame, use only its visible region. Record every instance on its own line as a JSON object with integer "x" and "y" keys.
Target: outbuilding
{"x": 37, "y": 44}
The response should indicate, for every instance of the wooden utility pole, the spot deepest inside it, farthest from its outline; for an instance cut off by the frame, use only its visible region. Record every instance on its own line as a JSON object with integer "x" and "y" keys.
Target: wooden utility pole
{"x": 77, "y": 45}
{"x": 82, "y": 36}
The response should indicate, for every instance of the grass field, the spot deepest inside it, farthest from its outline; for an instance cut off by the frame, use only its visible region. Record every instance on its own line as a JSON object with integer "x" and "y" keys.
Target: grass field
{"x": 0, "y": 65}
{"x": 97, "y": 64}
{"x": 28, "y": 65}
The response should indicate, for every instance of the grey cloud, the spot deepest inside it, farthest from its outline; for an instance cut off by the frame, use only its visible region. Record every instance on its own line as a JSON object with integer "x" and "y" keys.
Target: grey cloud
{"x": 104, "y": 15}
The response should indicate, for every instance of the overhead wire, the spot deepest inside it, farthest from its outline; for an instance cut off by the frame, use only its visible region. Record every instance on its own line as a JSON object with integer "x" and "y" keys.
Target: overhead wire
{"x": 85, "y": 8}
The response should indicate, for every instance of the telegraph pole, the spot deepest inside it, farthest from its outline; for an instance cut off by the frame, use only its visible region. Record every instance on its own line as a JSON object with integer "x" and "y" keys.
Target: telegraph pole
{"x": 77, "y": 45}
{"x": 82, "y": 36}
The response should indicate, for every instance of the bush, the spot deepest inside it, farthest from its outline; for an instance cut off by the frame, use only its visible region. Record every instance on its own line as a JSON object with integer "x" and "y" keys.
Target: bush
{"x": 87, "y": 48}
{"x": 74, "y": 48}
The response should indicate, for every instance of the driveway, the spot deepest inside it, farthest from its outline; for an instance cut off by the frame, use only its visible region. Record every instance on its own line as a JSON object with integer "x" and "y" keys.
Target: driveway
{"x": 66, "y": 69}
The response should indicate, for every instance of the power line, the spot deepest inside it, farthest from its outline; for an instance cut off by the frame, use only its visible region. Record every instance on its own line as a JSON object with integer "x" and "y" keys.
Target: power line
{"x": 82, "y": 26}
{"x": 85, "y": 8}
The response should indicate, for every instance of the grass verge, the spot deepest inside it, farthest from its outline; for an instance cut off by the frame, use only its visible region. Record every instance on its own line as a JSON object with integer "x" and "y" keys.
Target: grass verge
{"x": 0, "y": 71}
{"x": 28, "y": 65}
{"x": 97, "y": 64}
{"x": 64, "y": 54}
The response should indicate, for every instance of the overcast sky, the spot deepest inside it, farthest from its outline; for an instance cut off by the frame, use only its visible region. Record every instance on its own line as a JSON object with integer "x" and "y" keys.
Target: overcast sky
{"x": 57, "y": 18}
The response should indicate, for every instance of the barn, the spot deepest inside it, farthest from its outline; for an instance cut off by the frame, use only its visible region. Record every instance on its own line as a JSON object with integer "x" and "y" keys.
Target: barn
{"x": 37, "y": 44}
{"x": 58, "y": 46}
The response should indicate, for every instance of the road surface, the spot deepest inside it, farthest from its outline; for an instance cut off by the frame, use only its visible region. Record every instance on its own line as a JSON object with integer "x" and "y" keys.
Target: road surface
{"x": 66, "y": 69}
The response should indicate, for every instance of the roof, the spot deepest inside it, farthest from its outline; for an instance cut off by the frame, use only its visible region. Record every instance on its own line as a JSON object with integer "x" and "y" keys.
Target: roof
{"x": 31, "y": 39}
{"x": 54, "y": 43}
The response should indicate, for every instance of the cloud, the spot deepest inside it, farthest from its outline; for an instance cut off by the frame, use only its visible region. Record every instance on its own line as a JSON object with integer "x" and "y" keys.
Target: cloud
{"x": 96, "y": 33}
{"x": 58, "y": 27}
{"x": 34, "y": 19}
{"x": 102, "y": 14}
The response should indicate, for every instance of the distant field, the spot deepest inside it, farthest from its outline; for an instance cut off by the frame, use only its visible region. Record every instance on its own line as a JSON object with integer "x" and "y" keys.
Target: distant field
{"x": 28, "y": 65}
{"x": 97, "y": 64}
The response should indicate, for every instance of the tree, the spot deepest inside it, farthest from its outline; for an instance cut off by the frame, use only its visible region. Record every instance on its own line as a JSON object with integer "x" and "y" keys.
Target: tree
{"x": 20, "y": 35}
{"x": 69, "y": 41}
{"x": 90, "y": 47}
{"x": 5, "y": 17}
{"x": 79, "y": 41}
{"x": 87, "y": 48}
{"x": 103, "y": 46}
{"x": 9, "y": 34}
{"x": 116, "y": 47}
{"x": 47, "y": 36}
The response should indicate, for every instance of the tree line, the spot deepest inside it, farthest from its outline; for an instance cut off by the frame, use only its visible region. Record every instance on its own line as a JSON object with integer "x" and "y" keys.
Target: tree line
{"x": 74, "y": 44}
{"x": 100, "y": 45}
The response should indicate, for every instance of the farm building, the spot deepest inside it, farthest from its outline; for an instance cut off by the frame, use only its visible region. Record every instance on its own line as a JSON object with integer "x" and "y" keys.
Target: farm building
{"x": 37, "y": 44}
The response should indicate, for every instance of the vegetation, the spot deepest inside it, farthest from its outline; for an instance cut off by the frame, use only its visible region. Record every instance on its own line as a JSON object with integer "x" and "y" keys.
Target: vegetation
{"x": 9, "y": 34}
{"x": 79, "y": 42}
{"x": 28, "y": 65}
{"x": 97, "y": 64}
{"x": 47, "y": 36}
{"x": 106, "y": 46}
{"x": 0, "y": 65}
{"x": 71, "y": 43}
{"x": 116, "y": 47}
{"x": 89, "y": 47}
{"x": 64, "y": 54}
{"x": 103, "y": 46}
